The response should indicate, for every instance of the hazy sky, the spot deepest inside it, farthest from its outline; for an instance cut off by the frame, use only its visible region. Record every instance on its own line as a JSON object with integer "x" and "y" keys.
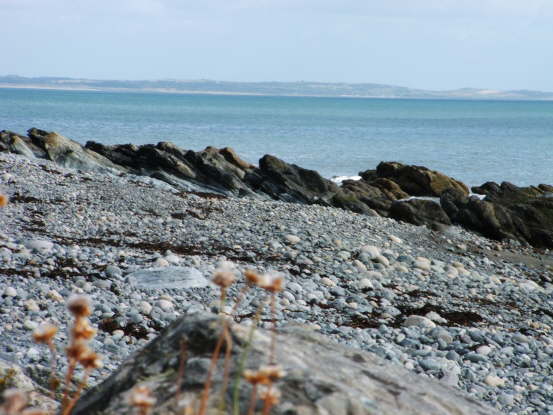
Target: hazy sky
{"x": 435, "y": 44}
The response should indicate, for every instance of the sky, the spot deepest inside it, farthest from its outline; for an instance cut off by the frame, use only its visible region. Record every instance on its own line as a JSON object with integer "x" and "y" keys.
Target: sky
{"x": 429, "y": 44}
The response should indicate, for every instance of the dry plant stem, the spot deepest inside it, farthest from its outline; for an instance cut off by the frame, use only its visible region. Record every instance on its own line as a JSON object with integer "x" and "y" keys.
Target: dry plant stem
{"x": 242, "y": 361}
{"x": 53, "y": 377}
{"x": 214, "y": 357}
{"x": 228, "y": 350}
{"x": 253, "y": 400}
{"x": 80, "y": 388}
{"x": 223, "y": 299}
{"x": 68, "y": 378}
{"x": 182, "y": 367}
{"x": 267, "y": 404}
{"x": 274, "y": 330}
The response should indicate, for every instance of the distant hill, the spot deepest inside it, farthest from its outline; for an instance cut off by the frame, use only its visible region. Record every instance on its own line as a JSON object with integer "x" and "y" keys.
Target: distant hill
{"x": 310, "y": 89}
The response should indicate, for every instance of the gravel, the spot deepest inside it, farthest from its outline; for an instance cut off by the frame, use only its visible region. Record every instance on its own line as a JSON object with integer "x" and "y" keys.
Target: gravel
{"x": 454, "y": 306}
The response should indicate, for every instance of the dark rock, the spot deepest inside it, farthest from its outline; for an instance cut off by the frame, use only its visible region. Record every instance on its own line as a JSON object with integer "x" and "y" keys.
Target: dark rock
{"x": 377, "y": 194}
{"x": 508, "y": 212}
{"x": 291, "y": 183}
{"x": 418, "y": 180}
{"x": 17, "y": 144}
{"x": 419, "y": 212}
{"x": 321, "y": 377}
{"x": 69, "y": 153}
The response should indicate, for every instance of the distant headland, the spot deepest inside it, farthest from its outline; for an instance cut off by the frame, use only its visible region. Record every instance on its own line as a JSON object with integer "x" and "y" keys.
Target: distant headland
{"x": 302, "y": 88}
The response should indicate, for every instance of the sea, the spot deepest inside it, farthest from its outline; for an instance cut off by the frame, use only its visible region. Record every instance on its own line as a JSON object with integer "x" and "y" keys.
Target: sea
{"x": 473, "y": 141}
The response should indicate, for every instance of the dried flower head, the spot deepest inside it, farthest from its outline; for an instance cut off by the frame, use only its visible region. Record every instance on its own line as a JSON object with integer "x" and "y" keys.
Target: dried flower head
{"x": 270, "y": 395}
{"x": 3, "y": 200}
{"x": 272, "y": 372}
{"x": 90, "y": 360}
{"x": 252, "y": 277}
{"x": 83, "y": 330}
{"x": 272, "y": 282}
{"x": 254, "y": 377}
{"x": 79, "y": 305}
{"x": 77, "y": 349}
{"x": 44, "y": 333}
{"x": 224, "y": 274}
{"x": 141, "y": 397}
{"x": 14, "y": 401}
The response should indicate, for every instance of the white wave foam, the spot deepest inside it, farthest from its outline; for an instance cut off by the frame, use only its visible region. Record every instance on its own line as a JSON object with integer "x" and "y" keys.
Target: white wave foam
{"x": 339, "y": 179}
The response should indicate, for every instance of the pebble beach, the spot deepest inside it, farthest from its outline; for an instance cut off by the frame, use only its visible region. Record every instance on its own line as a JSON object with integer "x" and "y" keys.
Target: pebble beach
{"x": 448, "y": 304}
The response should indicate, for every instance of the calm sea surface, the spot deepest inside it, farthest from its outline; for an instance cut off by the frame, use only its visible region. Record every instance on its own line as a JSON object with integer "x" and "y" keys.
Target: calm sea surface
{"x": 474, "y": 141}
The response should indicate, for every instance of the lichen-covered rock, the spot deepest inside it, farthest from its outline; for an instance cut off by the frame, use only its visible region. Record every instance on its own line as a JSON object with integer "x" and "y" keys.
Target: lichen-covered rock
{"x": 418, "y": 180}
{"x": 419, "y": 212}
{"x": 321, "y": 377}
{"x": 508, "y": 212}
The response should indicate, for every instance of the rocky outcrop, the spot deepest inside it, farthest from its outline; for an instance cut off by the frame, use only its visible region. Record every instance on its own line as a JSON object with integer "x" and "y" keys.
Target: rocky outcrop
{"x": 419, "y": 212}
{"x": 508, "y": 212}
{"x": 321, "y": 377}
{"x": 418, "y": 180}
{"x": 378, "y": 194}
{"x": 69, "y": 153}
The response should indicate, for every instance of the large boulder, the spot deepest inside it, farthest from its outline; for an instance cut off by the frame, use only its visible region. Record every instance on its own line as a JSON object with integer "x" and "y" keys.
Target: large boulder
{"x": 68, "y": 153}
{"x": 322, "y": 377}
{"x": 419, "y": 212}
{"x": 291, "y": 183}
{"x": 418, "y": 180}
{"x": 376, "y": 193}
{"x": 18, "y": 144}
{"x": 507, "y": 212}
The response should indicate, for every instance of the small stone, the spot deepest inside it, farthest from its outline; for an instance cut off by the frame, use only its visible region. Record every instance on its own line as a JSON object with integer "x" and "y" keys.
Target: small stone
{"x": 475, "y": 357}
{"x": 117, "y": 334}
{"x": 292, "y": 239}
{"x": 165, "y": 305}
{"x": 39, "y": 245}
{"x": 145, "y": 308}
{"x": 371, "y": 251}
{"x": 432, "y": 315}
{"x": 364, "y": 284}
{"x": 520, "y": 338}
{"x": 31, "y": 305}
{"x": 395, "y": 239}
{"x": 381, "y": 259}
{"x": 423, "y": 264}
{"x": 173, "y": 259}
{"x": 56, "y": 296}
{"x": 431, "y": 364}
{"x": 30, "y": 325}
{"x": 484, "y": 350}
{"x": 345, "y": 255}
{"x": 161, "y": 262}
{"x": 33, "y": 354}
{"x": 113, "y": 271}
{"x": 494, "y": 381}
{"x": 10, "y": 292}
{"x": 359, "y": 265}
{"x": 328, "y": 282}
{"x": 418, "y": 321}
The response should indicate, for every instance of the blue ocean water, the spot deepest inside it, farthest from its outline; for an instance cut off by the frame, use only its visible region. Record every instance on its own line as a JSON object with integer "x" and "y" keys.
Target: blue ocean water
{"x": 473, "y": 141}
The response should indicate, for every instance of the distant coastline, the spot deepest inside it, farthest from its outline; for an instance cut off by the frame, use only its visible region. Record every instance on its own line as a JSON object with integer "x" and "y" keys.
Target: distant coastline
{"x": 287, "y": 89}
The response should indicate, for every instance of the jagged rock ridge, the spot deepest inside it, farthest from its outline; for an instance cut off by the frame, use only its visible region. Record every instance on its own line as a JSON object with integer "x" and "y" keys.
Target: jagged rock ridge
{"x": 509, "y": 212}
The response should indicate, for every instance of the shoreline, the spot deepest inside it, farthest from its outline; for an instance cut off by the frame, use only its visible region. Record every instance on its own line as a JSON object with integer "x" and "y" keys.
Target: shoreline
{"x": 353, "y": 278}
{"x": 483, "y": 98}
{"x": 409, "y": 193}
